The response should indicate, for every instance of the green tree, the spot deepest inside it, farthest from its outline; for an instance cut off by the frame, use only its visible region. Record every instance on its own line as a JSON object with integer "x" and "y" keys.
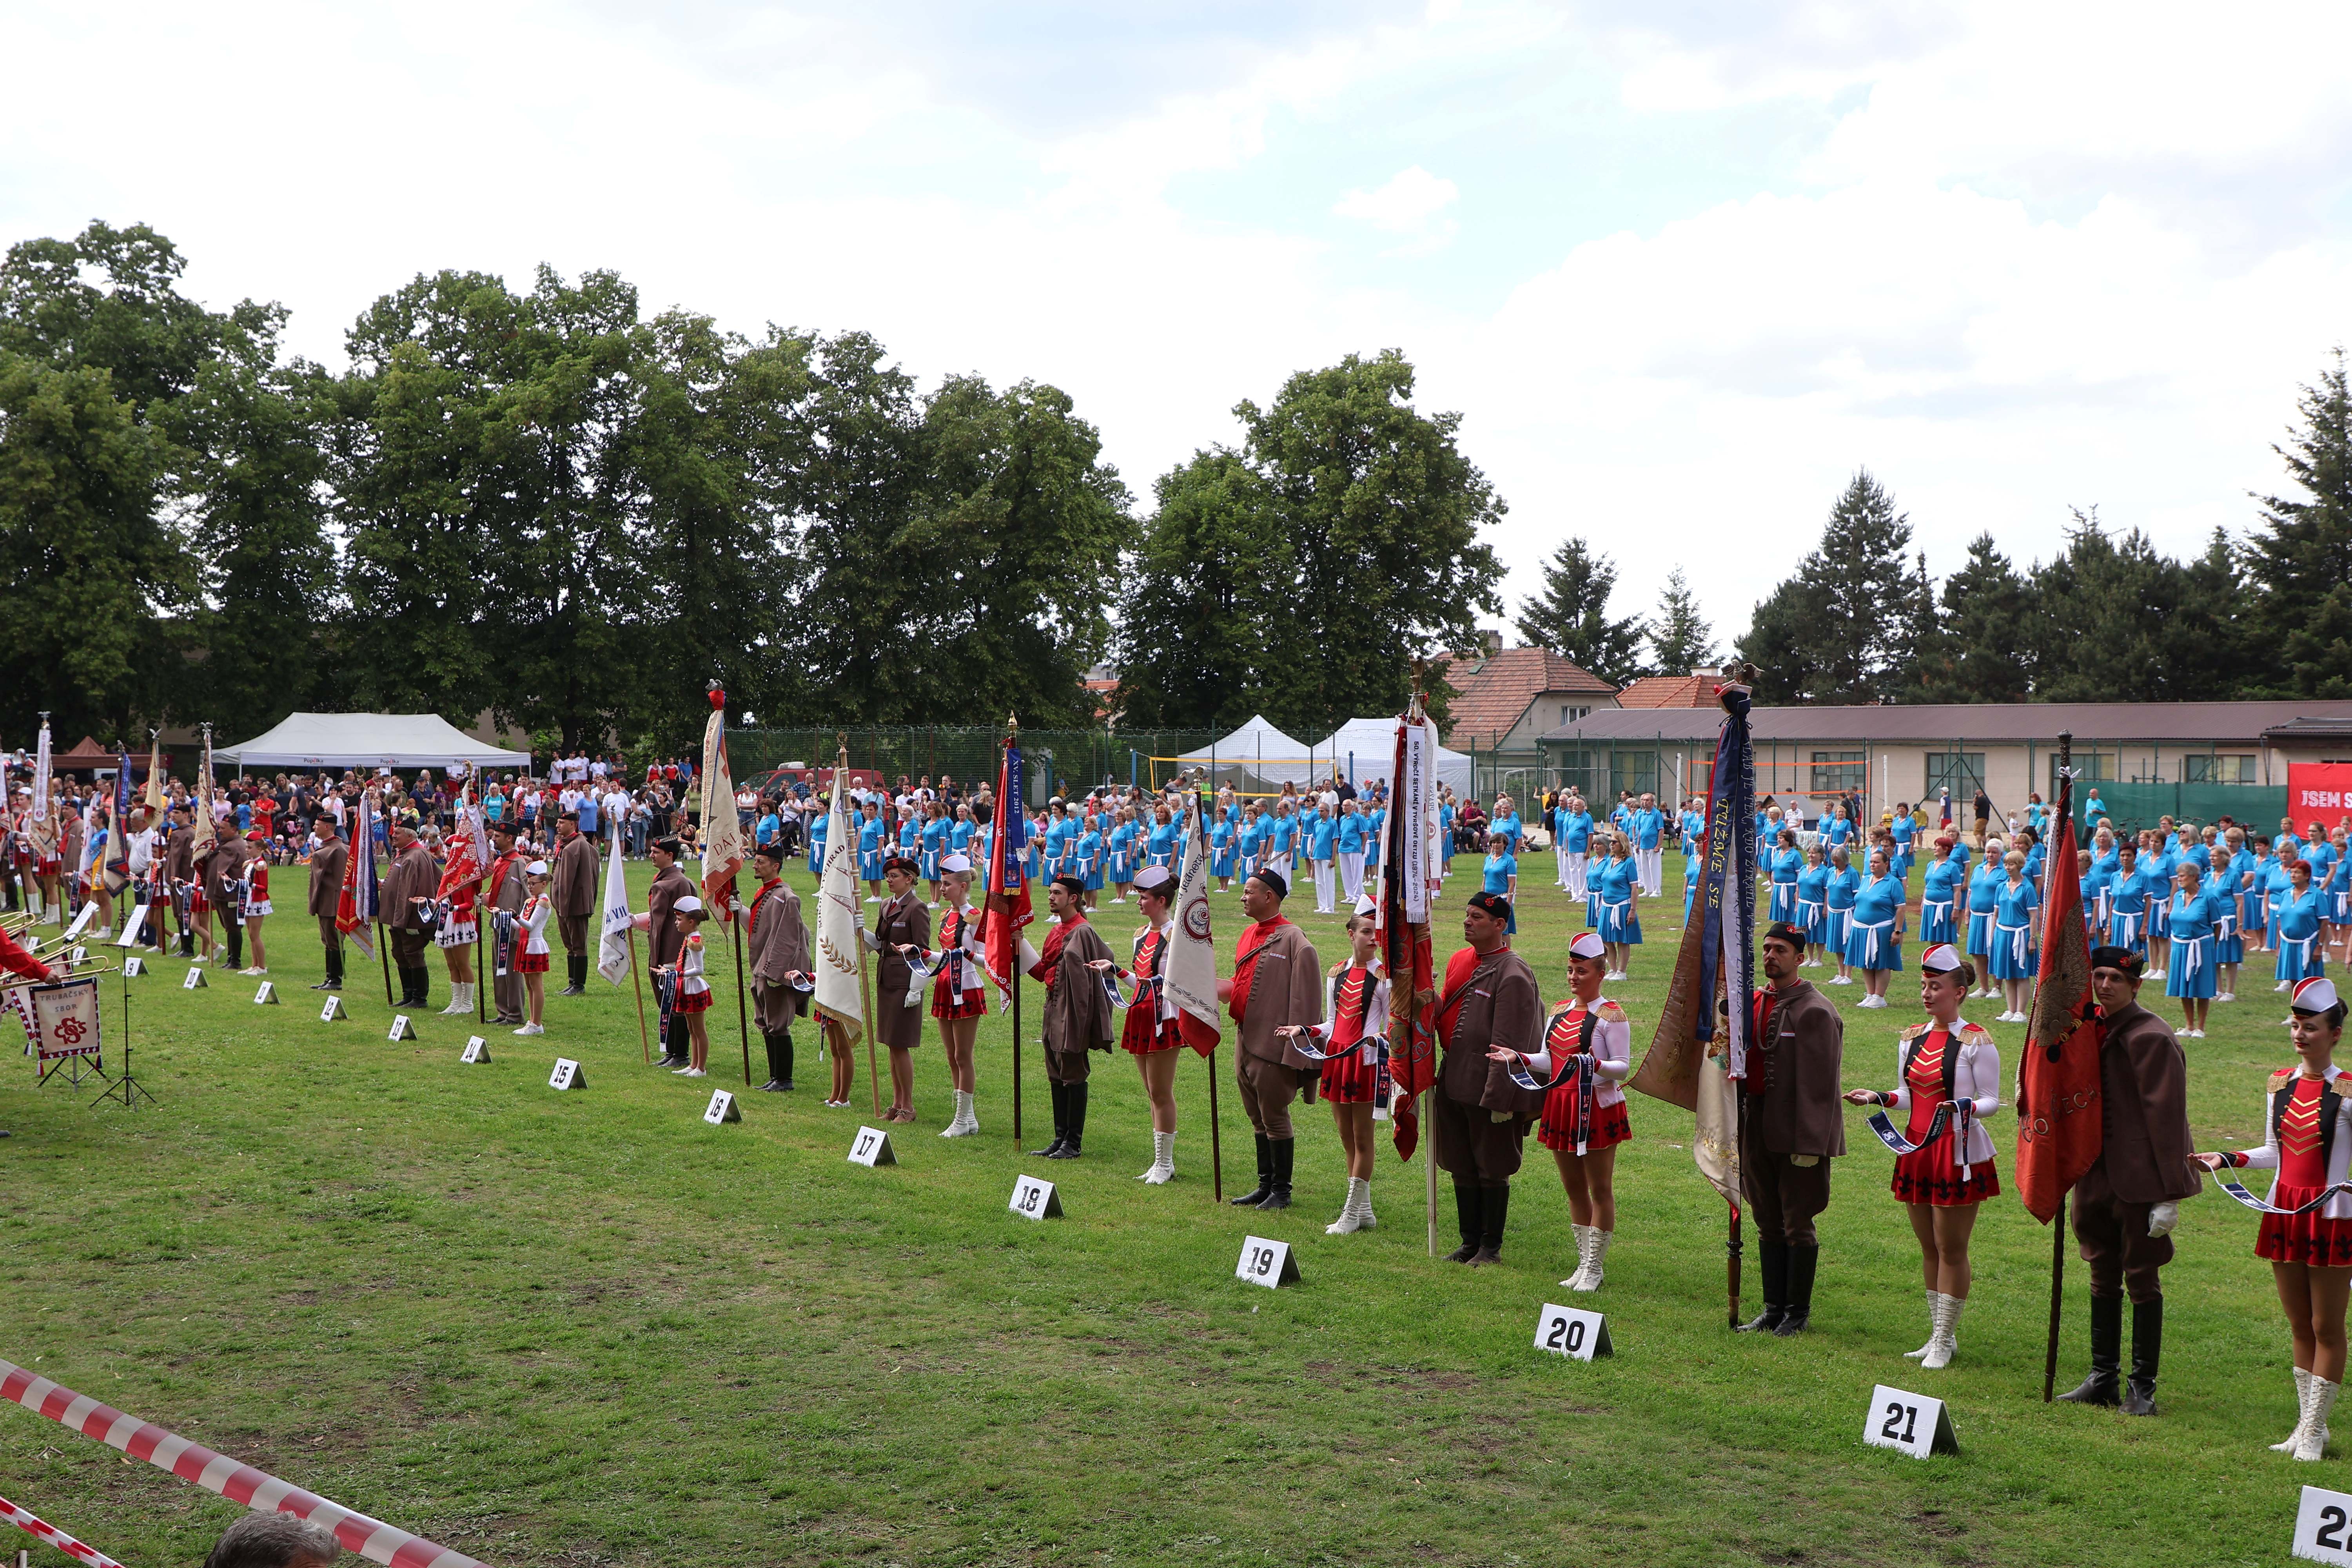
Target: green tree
{"x": 2300, "y": 558}
{"x": 1680, "y": 638}
{"x": 2117, "y": 620}
{"x": 1980, "y": 647}
{"x": 1570, "y": 616}
{"x": 1835, "y": 632}
{"x": 1207, "y": 586}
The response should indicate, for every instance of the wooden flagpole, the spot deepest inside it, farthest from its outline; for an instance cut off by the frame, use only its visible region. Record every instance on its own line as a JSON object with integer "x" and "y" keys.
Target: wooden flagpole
{"x": 743, "y": 1011}
{"x": 1216, "y": 1134}
{"x": 2058, "y": 1220}
{"x": 645, "y": 1041}
{"x": 1012, "y": 735}
{"x": 865, "y": 998}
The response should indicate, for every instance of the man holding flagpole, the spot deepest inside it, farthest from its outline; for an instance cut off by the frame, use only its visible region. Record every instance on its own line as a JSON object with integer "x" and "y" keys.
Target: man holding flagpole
{"x": 328, "y": 857}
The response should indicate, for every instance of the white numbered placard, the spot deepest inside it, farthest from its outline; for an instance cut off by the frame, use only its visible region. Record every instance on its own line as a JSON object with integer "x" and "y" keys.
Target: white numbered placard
{"x": 567, "y": 1074}
{"x": 1035, "y": 1199}
{"x": 478, "y": 1050}
{"x": 132, "y": 926}
{"x": 134, "y": 967}
{"x": 78, "y": 956}
{"x": 81, "y": 922}
{"x": 1573, "y": 1332}
{"x": 1912, "y": 1424}
{"x": 871, "y": 1147}
{"x": 267, "y": 995}
{"x": 2323, "y": 1526}
{"x": 402, "y": 1029}
{"x": 722, "y": 1108}
{"x": 333, "y": 1010}
{"x": 1267, "y": 1263}
{"x": 195, "y": 980}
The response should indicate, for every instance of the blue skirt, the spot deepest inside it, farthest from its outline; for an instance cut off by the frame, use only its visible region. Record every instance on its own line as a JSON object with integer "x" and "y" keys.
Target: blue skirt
{"x": 1220, "y": 863}
{"x": 2159, "y": 920}
{"x": 2300, "y": 958}
{"x": 1784, "y": 903}
{"x": 1625, "y": 927}
{"x": 1840, "y": 922}
{"x": 1979, "y": 931}
{"x": 1816, "y": 923}
{"x": 1092, "y": 875}
{"x": 2005, "y": 960}
{"x": 1858, "y": 939}
{"x": 1935, "y": 924}
{"x": 2258, "y": 916}
{"x": 2128, "y": 928}
{"x": 2192, "y": 970}
{"x": 1591, "y": 910}
{"x": 1118, "y": 871}
{"x": 930, "y": 864}
{"x": 869, "y": 865}
{"x": 2229, "y": 947}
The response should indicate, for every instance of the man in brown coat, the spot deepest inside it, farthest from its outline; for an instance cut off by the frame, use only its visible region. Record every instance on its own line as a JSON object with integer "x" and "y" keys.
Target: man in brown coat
{"x": 179, "y": 869}
{"x": 776, "y": 945}
{"x": 666, "y": 942}
{"x": 2128, "y": 1201}
{"x": 1792, "y": 1124}
{"x": 328, "y": 856}
{"x": 575, "y": 898}
{"x": 507, "y": 892}
{"x": 1078, "y": 1012}
{"x": 410, "y": 886}
{"x": 901, "y": 923}
{"x": 222, "y": 869}
{"x": 1478, "y": 1116}
{"x": 1277, "y": 984}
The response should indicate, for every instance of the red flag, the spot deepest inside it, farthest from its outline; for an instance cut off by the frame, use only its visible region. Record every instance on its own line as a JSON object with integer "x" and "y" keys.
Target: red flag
{"x": 1007, "y": 906}
{"x": 1404, "y": 942}
{"x": 355, "y": 904}
{"x": 2058, "y": 1111}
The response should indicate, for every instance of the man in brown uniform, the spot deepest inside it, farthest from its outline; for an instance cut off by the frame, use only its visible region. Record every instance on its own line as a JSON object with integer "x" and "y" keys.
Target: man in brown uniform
{"x": 222, "y": 869}
{"x": 1277, "y": 983}
{"x": 902, "y": 922}
{"x": 328, "y": 857}
{"x": 411, "y": 885}
{"x": 1479, "y": 1117}
{"x": 777, "y": 947}
{"x": 507, "y": 893}
{"x": 575, "y": 898}
{"x": 2128, "y": 1201}
{"x": 1078, "y": 1012}
{"x": 1792, "y": 1125}
{"x": 179, "y": 869}
{"x": 666, "y": 942}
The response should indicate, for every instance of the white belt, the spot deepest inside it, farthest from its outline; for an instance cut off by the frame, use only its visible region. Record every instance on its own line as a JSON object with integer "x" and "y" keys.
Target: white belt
{"x": 1803, "y": 906}
{"x": 2016, "y": 943}
{"x": 1626, "y": 905}
{"x": 1873, "y": 929}
{"x": 2194, "y": 947}
{"x": 2225, "y": 926}
{"x": 2302, "y": 945}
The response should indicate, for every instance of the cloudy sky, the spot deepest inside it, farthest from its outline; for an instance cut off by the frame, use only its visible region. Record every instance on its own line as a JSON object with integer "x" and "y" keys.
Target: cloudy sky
{"x": 1682, "y": 266}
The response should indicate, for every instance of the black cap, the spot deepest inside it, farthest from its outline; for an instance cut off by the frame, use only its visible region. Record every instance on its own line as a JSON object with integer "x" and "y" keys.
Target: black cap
{"x": 1273, "y": 879}
{"x": 1071, "y": 885}
{"x": 1494, "y": 904}
{"x": 1783, "y": 931}
{"x": 2121, "y": 958}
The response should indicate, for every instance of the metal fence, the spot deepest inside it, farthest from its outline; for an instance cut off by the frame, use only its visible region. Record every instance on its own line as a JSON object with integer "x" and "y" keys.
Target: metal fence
{"x": 2133, "y": 804}
{"x": 1056, "y": 759}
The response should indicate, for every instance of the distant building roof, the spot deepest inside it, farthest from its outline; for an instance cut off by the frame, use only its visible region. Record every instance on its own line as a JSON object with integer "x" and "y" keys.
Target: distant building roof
{"x": 1986, "y": 724}
{"x": 1669, "y": 692}
{"x": 1492, "y": 693}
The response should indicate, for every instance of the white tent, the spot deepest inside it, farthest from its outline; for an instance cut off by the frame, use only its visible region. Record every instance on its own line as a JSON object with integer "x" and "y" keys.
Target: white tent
{"x": 367, "y": 741}
{"x": 1363, "y": 749}
{"x": 1257, "y": 748}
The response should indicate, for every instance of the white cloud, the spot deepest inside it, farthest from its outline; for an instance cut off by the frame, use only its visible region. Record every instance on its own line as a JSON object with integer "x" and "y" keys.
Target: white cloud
{"x": 1403, "y": 206}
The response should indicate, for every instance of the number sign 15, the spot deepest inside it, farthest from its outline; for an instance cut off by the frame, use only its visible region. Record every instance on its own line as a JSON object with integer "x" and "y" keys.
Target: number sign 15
{"x": 1267, "y": 1263}
{"x": 567, "y": 1074}
{"x": 1573, "y": 1332}
{"x": 2323, "y": 1526}
{"x": 1034, "y": 1199}
{"x": 871, "y": 1147}
{"x": 1911, "y": 1424}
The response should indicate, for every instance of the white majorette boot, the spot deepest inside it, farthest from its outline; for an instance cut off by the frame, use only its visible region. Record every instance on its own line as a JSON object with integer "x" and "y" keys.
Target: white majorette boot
{"x": 2313, "y": 1441}
{"x": 1588, "y": 1277}
{"x": 963, "y": 1124}
{"x": 1163, "y": 1159}
{"x": 1946, "y": 1340}
{"x": 1356, "y": 1213}
{"x": 1583, "y": 1256}
{"x": 458, "y": 1001}
{"x": 1934, "y": 1300}
{"x": 2302, "y": 1412}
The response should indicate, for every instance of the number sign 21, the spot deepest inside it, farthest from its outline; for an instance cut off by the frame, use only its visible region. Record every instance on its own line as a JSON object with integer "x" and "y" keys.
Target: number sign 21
{"x": 1911, "y": 1424}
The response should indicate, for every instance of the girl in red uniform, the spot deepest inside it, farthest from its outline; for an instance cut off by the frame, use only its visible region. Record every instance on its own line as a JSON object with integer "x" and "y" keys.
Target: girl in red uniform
{"x": 1584, "y": 1115}
{"x": 958, "y": 999}
{"x": 253, "y": 898}
{"x": 693, "y": 990}
{"x": 2310, "y": 1252}
{"x": 1944, "y": 1062}
{"x": 1151, "y": 1033}
{"x": 531, "y": 961}
{"x": 1352, "y": 1042}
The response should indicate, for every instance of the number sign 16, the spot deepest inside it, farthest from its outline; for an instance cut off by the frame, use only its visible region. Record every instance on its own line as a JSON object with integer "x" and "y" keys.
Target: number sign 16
{"x": 2323, "y": 1526}
{"x": 871, "y": 1147}
{"x": 1573, "y": 1332}
{"x": 1267, "y": 1262}
{"x": 1034, "y": 1199}
{"x": 1912, "y": 1424}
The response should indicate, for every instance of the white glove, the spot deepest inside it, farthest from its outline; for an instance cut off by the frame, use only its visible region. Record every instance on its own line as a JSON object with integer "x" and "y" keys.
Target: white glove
{"x": 2163, "y": 1218}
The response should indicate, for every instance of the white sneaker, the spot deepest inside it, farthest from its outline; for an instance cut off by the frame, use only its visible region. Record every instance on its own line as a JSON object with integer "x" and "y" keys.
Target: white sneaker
{"x": 871, "y": 900}
{"x": 692, "y": 1072}
{"x": 532, "y": 1029}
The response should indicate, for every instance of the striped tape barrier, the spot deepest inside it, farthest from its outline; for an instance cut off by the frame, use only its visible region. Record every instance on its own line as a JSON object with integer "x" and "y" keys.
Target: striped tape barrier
{"x": 40, "y": 1529}
{"x": 240, "y": 1483}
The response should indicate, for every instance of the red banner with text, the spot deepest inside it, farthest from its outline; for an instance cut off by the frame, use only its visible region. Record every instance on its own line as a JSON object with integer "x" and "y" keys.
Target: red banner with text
{"x": 2316, "y": 788}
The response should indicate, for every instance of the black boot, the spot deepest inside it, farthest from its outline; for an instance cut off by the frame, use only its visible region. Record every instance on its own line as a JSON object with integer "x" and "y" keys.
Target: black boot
{"x": 1277, "y": 1195}
{"x": 334, "y": 980}
{"x": 1803, "y": 1262}
{"x": 235, "y": 946}
{"x": 1071, "y": 1144}
{"x": 1495, "y": 1209}
{"x": 575, "y": 964}
{"x": 2147, "y": 1343}
{"x": 1264, "y": 1188}
{"x": 420, "y": 979}
{"x": 1061, "y": 1123}
{"x": 780, "y": 1062}
{"x": 1470, "y": 1216}
{"x": 1772, "y": 1257}
{"x": 2106, "y": 1354}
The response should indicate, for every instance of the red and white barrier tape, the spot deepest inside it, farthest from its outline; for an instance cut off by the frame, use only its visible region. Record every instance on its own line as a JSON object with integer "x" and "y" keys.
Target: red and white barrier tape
{"x": 40, "y": 1529}
{"x": 371, "y": 1539}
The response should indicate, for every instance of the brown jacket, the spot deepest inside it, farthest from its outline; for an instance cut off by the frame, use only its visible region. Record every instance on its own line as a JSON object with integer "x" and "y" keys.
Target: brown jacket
{"x": 1501, "y": 1006}
{"x": 1799, "y": 1110}
{"x": 575, "y": 876}
{"x": 412, "y": 876}
{"x": 661, "y": 905}
{"x": 327, "y": 863}
{"x": 511, "y": 891}
{"x": 220, "y": 868}
{"x": 2143, "y": 1112}
{"x": 1078, "y": 1009}
{"x": 1285, "y": 987}
{"x": 179, "y": 854}
{"x": 902, "y": 919}
{"x": 778, "y": 943}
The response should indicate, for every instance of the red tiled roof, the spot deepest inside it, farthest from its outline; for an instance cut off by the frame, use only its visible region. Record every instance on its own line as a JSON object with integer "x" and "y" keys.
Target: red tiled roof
{"x": 1668, "y": 691}
{"x": 1492, "y": 694}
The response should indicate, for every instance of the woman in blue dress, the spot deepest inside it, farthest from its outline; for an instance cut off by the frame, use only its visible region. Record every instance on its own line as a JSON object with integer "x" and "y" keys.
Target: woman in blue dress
{"x": 935, "y": 847}
{"x": 2253, "y": 863}
{"x": 1444, "y": 833}
{"x": 1843, "y": 883}
{"x": 2229, "y": 943}
{"x": 1118, "y": 852}
{"x": 1902, "y": 830}
{"x": 1783, "y": 864}
{"x": 2156, "y": 864}
{"x": 2300, "y": 956}
{"x": 2192, "y": 973}
{"x": 1621, "y": 922}
{"x": 1501, "y": 879}
{"x": 869, "y": 853}
{"x": 1873, "y": 940}
{"x": 818, "y": 826}
{"x": 2126, "y": 902}
{"x": 959, "y": 834}
{"x": 1939, "y": 896}
{"x": 2278, "y": 883}
{"x": 2015, "y": 958}
{"x": 1221, "y": 851}
{"x": 1813, "y": 905}
{"x": 1984, "y": 898}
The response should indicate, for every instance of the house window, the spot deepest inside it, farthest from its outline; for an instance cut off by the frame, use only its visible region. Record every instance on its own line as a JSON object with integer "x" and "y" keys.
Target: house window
{"x": 1840, "y": 772}
{"x": 2216, "y": 769}
{"x": 1962, "y": 772}
{"x": 1569, "y": 715}
{"x": 2090, "y": 767}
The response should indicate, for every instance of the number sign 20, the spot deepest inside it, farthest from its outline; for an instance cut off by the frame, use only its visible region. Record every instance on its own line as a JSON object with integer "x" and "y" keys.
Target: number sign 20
{"x": 1911, "y": 1424}
{"x": 1573, "y": 1332}
{"x": 1035, "y": 1199}
{"x": 871, "y": 1147}
{"x": 2323, "y": 1526}
{"x": 1267, "y": 1263}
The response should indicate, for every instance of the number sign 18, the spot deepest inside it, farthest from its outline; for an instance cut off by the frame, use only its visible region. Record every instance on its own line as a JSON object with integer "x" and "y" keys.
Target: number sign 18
{"x": 2323, "y": 1526}
{"x": 871, "y": 1147}
{"x": 1912, "y": 1424}
{"x": 1034, "y": 1199}
{"x": 1267, "y": 1263}
{"x": 1573, "y": 1332}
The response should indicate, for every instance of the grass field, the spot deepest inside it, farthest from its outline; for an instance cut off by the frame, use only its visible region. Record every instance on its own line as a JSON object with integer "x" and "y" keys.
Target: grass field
{"x": 586, "y": 1328}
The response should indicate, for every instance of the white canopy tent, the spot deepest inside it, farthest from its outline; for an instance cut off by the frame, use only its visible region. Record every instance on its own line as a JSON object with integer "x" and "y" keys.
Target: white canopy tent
{"x": 367, "y": 741}
{"x": 1261, "y": 751}
{"x": 1363, "y": 750}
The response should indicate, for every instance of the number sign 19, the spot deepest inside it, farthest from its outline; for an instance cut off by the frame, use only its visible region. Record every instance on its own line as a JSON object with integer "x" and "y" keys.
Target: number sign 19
{"x": 1911, "y": 1424}
{"x": 134, "y": 967}
{"x": 2323, "y": 1526}
{"x": 1573, "y": 1332}
{"x": 567, "y": 1074}
{"x": 871, "y": 1147}
{"x": 1267, "y": 1263}
{"x": 1034, "y": 1199}
{"x": 267, "y": 995}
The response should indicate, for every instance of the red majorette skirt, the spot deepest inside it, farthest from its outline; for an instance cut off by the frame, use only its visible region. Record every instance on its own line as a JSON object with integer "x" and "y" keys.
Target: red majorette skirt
{"x": 692, "y": 1002}
{"x": 197, "y": 904}
{"x": 1610, "y": 1125}
{"x": 1928, "y": 1176}
{"x": 947, "y": 1004}
{"x": 531, "y": 962}
{"x": 1349, "y": 1080}
{"x": 2303, "y": 1238}
{"x": 1138, "y": 1037}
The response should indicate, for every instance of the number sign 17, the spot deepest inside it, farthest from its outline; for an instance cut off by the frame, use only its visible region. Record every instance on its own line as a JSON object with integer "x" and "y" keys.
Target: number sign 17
{"x": 871, "y": 1147}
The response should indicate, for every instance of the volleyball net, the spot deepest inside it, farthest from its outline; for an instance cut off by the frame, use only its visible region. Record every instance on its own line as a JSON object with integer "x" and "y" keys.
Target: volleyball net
{"x": 1256, "y": 777}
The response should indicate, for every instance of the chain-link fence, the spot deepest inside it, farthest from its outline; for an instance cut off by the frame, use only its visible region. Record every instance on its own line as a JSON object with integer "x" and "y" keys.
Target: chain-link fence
{"x": 1056, "y": 759}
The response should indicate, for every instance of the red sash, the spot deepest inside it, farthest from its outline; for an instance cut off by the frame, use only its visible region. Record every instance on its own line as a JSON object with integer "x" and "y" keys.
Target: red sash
{"x": 761, "y": 897}
{"x": 1245, "y": 955}
{"x": 1049, "y": 962}
{"x": 1460, "y": 970}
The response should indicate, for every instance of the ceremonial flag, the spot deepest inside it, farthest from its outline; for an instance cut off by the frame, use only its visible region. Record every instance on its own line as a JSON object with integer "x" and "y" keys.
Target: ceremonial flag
{"x": 201, "y": 834}
{"x": 1189, "y": 969}
{"x": 840, "y": 920}
{"x": 2058, "y": 1110}
{"x": 41, "y": 775}
{"x": 612, "y": 952}
{"x": 1409, "y": 861}
{"x": 355, "y": 906}
{"x": 470, "y": 849}
{"x": 155, "y": 776}
{"x": 1006, "y": 908}
{"x": 117, "y": 858}
{"x": 722, "y": 829}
